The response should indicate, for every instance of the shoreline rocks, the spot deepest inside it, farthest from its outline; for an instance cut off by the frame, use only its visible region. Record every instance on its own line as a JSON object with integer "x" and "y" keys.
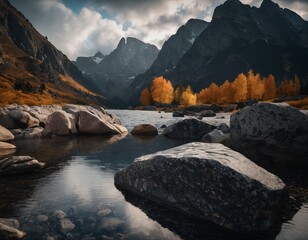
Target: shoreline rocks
{"x": 9, "y": 229}
{"x": 28, "y": 122}
{"x": 19, "y": 164}
{"x": 209, "y": 182}
{"x": 277, "y": 131}
{"x": 144, "y": 129}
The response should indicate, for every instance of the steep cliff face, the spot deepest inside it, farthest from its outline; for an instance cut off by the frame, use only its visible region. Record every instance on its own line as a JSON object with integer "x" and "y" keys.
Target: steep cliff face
{"x": 32, "y": 66}
{"x": 266, "y": 39}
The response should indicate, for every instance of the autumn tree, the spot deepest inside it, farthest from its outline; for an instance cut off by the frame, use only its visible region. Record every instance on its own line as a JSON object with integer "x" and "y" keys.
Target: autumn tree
{"x": 225, "y": 92}
{"x": 270, "y": 89}
{"x": 145, "y": 97}
{"x": 203, "y": 96}
{"x": 239, "y": 87}
{"x": 188, "y": 97}
{"x": 213, "y": 93}
{"x": 297, "y": 85}
{"x": 162, "y": 90}
{"x": 177, "y": 94}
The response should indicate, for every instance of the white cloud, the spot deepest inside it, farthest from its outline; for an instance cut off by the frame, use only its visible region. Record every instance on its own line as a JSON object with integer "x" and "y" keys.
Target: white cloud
{"x": 152, "y": 21}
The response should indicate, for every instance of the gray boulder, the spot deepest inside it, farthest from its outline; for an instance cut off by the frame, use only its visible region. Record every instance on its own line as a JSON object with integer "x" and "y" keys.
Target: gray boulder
{"x": 6, "y": 121}
{"x": 28, "y": 133}
{"x": 210, "y": 182}
{"x": 24, "y": 118}
{"x": 217, "y": 136}
{"x": 230, "y": 108}
{"x": 223, "y": 127}
{"x": 5, "y": 135}
{"x": 178, "y": 114}
{"x": 275, "y": 130}
{"x": 94, "y": 123}
{"x": 188, "y": 129}
{"x": 144, "y": 129}
{"x": 206, "y": 113}
{"x": 58, "y": 123}
{"x": 19, "y": 164}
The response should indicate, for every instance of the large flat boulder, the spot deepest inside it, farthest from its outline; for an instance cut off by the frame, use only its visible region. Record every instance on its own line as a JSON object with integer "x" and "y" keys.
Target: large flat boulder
{"x": 5, "y": 134}
{"x": 210, "y": 182}
{"x": 272, "y": 129}
{"x": 188, "y": 129}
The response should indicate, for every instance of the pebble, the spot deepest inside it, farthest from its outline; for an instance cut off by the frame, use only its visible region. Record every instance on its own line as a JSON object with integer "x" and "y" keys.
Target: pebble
{"x": 41, "y": 218}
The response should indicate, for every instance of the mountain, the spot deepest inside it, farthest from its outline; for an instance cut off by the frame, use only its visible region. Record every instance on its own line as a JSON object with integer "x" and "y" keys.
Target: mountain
{"x": 32, "y": 70}
{"x": 170, "y": 54}
{"x": 175, "y": 47}
{"x": 88, "y": 64}
{"x": 266, "y": 39}
{"x": 115, "y": 71}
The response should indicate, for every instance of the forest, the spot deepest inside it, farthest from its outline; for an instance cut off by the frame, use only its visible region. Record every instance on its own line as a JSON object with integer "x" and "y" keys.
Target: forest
{"x": 244, "y": 87}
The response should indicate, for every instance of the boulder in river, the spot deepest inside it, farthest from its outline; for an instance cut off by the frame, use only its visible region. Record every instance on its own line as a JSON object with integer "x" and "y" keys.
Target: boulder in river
{"x": 209, "y": 182}
{"x": 188, "y": 129}
{"x": 178, "y": 114}
{"x": 4, "y": 145}
{"x": 144, "y": 129}
{"x": 19, "y": 164}
{"x": 5, "y": 135}
{"x": 217, "y": 136}
{"x": 206, "y": 113}
{"x": 58, "y": 123}
{"x": 272, "y": 129}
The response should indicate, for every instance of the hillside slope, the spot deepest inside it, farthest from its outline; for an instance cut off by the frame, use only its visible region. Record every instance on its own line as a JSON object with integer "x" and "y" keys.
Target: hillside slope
{"x": 32, "y": 70}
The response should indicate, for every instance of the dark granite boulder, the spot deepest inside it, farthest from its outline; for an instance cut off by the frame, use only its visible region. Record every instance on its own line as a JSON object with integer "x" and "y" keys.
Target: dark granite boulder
{"x": 210, "y": 182}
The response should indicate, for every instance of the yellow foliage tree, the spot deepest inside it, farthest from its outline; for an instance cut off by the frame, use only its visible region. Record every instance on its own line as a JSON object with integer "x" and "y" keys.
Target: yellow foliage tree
{"x": 145, "y": 97}
{"x": 270, "y": 89}
{"x": 188, "y": 97}
{"x": 213, "y": 93}
{"x": 177, "y": 94}
{"x": 225, "y": 93}
{"x": 162, "y": 90}
{"x": 240, "y": 88}
{"x": 203, "y": 96}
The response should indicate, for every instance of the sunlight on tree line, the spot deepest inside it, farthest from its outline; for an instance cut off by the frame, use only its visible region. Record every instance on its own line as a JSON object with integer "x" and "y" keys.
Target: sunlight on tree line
{"x": 244, "y": 87}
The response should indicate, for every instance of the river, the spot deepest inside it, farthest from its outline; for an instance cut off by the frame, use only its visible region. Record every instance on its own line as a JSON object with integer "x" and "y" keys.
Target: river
{"x": 78, "y": 180}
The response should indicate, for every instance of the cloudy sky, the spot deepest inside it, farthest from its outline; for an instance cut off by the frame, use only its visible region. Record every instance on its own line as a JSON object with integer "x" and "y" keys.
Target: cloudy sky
{"x": 82, "y": 27}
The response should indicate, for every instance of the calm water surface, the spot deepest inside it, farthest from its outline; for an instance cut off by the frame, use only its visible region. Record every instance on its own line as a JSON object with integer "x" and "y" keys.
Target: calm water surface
{"x": 79, "y": 181}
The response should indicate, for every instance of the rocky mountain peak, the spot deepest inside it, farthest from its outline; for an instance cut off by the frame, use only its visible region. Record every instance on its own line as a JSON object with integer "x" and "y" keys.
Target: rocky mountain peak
{"x": 99, "y": 55}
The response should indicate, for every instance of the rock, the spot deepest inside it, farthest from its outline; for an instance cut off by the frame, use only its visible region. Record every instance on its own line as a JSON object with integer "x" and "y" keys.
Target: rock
{"x": 210, "y": 182}
{"x": 4, "y": 145}
{"x": 178, "y": 114}
{"x": 198, "y": 108}
{"x": 93, "y": 123}
{"x": 163, "y": 126}
{"x": 58, "y": 123}
{"x": 7, "y": 152}
{"x": 144, "y": 129}
{"x": 240, "y": 105}
{"x": 19, "y": 164}
{"x": 59, "y": 214}
{"x": 188, "y": 129}
{"x": 6, "y": 121}
{"x": 275, "y": 130}
{"x": 223, "y": 127}
{"x": 28, "y": 133}
{"x": 217, "y": 136}
{"x": 5, "y": 135}
{"x": 66, "y": 225}
{"x": 104, "y": 212}
{"x": 206, "y": 113}
{"x": 42, "y": 218}
{"x": 24, "y": 118}
{"x": 230, "y": 108}
{"x": 7, "y": 232}
{"x": 215, "y": 108}
{"x": 11, "y": 222}
{"x": 251, "y": 102}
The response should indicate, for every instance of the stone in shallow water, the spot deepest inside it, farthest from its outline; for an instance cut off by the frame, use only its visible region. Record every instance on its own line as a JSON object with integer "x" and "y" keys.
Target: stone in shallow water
{"x": 188, "y": 129}
{"x": 66, "y": 225}
{"x": 144, "y": 129}
{"x": 59, "y": 214}
{"x": 210, "y": 182}
{"x": 41, "y": 218}
{"x": 19, "y": 164}
{"x": 8, "y": 232}
{"x": 104, "y": 212}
